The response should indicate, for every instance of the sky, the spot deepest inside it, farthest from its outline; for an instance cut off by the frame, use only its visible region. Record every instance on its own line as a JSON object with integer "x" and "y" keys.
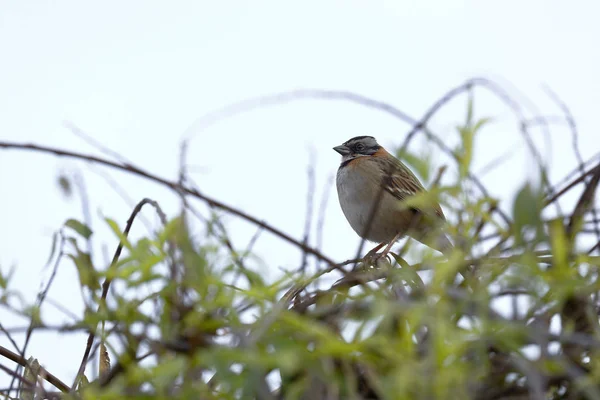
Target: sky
{"x": 138, "y": 76}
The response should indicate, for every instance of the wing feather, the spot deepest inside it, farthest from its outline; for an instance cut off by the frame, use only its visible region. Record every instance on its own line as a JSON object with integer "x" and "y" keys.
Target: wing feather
{"x": 401, "y": 183}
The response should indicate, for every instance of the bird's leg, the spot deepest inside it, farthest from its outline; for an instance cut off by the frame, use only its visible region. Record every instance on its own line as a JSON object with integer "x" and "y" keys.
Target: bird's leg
{"x": 387, "y": 249}
{"x": 371, "y": 254}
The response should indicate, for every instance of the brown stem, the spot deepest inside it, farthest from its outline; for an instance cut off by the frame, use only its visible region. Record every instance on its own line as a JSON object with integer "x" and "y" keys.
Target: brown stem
{"x": 53, "y": 380}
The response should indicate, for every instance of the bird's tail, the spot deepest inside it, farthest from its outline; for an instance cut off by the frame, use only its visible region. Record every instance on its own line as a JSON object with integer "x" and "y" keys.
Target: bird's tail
{"x": 443, "y": 243}
{"x": 438, "y": 241}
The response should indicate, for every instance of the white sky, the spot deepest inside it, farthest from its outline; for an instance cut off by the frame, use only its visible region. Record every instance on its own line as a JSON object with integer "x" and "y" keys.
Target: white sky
{"x": 135, "y": 75}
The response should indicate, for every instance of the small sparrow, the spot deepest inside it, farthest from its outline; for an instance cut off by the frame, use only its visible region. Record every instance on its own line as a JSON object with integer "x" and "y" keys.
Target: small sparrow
{"x": 368, "y": 175}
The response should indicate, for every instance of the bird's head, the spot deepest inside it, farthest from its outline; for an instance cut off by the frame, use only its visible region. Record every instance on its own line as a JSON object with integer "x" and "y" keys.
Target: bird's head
{"x": 359, "y": 146}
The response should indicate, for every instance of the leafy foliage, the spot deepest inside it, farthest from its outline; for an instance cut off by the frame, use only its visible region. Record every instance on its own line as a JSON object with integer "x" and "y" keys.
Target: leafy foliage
{"x": 510, "y": 313}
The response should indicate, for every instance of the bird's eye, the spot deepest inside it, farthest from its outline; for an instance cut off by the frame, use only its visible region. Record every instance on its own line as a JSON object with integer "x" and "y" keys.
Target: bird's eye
{"x": 359, "y": 147}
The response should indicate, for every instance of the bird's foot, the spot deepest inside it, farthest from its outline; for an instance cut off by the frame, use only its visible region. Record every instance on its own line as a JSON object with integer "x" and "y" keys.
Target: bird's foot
{"x": 372, "y": 259}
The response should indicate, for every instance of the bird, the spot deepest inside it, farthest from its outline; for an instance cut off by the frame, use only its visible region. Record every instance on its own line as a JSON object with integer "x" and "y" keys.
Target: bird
{"x": 369, "y": 176}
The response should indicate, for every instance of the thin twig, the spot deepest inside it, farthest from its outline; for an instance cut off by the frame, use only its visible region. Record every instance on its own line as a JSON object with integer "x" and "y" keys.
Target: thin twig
{"x": 308, "y": 217}
{"x": 107, "y": 282}
{"x": 40, "y": 300}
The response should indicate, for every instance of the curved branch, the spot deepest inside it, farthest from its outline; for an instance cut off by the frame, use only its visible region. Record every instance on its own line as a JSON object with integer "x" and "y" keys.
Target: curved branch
{"x": 171, "y": 185}
{"x": 108, "y": 280}
{"x": 53, "y": 380}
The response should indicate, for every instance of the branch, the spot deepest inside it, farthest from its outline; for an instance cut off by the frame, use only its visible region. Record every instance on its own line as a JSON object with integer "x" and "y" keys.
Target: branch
{"x": 60, "y": 385}
{"x": 107, "y": 282}
{"x": 126, "y": 167}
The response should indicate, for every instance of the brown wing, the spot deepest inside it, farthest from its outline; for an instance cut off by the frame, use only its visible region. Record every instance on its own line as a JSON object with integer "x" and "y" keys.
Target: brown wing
{"x": 400, "y": 181}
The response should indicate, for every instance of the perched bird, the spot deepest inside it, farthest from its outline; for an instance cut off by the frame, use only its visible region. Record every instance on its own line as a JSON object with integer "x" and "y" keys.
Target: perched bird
{"x": 370, "y": 177}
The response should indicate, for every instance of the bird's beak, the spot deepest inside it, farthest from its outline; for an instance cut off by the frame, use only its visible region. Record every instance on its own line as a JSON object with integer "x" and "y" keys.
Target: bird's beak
{"x": 343, "y": 150}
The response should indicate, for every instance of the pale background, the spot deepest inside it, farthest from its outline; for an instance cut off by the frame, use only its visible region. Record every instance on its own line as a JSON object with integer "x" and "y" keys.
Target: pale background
{"x": 136, "y": 75}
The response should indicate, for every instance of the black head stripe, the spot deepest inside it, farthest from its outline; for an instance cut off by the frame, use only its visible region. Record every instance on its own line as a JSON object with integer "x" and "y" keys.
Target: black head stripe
{"x": 358, "y": 138}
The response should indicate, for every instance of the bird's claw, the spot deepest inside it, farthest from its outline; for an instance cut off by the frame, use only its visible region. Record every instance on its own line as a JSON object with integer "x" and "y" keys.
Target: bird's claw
{"x": 373, "y": 259}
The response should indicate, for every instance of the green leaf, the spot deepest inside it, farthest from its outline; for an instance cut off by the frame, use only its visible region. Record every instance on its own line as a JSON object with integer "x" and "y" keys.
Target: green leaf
{"x": 527, "y": 209}
{"x": 30, "y": 375}
{"x": 170, "y": 231}
{"x": 254, "y": 279}
{"x": 36, "y": 316}
{"x": 83, "y": 382}
{"x": 79, "y": 227}
{"x": 119, "y": 233}
{"x": 65, "y": 186}
{"x": 5, "y": 278}
{"x": 560, "y": 244}
{"x": 166, "y": 372}
{"x": 87, "y": 275}
{"x": 469, "y": 117}
{"x": 420, "y": 164}
{"x": 422, "y": 201}
{"x": 479, "y": 124}
{"x": 467, "y": 135}
{"x": 85, "y": 268}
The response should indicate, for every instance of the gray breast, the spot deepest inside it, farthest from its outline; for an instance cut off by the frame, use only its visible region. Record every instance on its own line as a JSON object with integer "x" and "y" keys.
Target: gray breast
{"x": 357, "y": 192}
